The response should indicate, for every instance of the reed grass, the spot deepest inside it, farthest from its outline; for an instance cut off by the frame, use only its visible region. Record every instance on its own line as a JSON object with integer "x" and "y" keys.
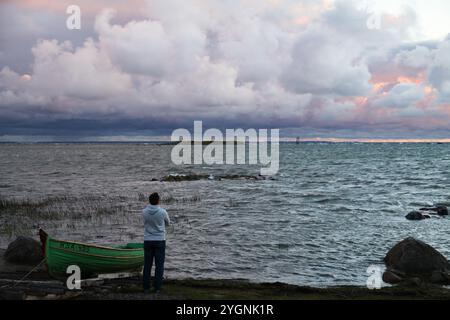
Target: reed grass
{"x": 169, "y": 199}
{"x": 91, "y": 213}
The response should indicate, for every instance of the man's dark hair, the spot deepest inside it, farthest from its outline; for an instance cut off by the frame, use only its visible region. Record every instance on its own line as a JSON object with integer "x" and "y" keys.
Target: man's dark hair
{"x": 154, "y": 198}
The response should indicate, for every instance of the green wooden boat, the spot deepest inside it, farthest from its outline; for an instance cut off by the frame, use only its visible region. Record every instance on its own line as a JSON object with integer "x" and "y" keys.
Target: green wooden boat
{"x": 92, "y": 259}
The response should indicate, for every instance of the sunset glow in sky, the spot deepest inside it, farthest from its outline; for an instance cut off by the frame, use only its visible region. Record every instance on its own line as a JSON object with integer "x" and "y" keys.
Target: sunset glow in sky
{"x": 311, "y": 68}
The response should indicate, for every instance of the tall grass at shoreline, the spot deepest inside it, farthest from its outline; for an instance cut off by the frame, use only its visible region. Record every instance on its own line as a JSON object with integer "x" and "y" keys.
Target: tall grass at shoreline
{"x": 58, "y": 208}
{"x": 168, "y": 199}
{"x": 23, "y": 216}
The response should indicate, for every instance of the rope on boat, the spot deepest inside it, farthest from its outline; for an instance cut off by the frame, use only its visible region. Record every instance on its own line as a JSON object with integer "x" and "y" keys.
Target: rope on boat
{"x": 25, "y": 276}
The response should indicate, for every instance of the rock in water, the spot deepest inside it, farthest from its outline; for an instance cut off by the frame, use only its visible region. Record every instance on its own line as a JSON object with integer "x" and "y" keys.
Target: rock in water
{"x": 442, "y": 211}
{"x": 439, "y": 210}
{"x": 416, "y": 215}
{"x": 24, "y": 250}
{"x": 413, "y": 258}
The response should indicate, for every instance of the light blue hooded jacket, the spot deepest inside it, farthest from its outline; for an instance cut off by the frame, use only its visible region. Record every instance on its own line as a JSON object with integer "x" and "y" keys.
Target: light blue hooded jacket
{"x": 155, "y": 221}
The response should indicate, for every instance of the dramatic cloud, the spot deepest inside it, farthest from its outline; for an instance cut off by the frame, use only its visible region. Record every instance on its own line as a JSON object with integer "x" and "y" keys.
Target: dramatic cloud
{"x": 417, "y": 58}
{"x": 439, "y": 71}
{"x": 162, "y": 64}
{"x": 402, "y": 95}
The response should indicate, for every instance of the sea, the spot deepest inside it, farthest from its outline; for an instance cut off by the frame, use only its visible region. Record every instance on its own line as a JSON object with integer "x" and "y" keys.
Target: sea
{"x": 333, "y": 209}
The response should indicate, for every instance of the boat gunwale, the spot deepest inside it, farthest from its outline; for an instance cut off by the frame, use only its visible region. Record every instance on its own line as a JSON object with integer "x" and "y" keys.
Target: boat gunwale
{"x": 94, "y": 245}
{"x": 97, "y": 255}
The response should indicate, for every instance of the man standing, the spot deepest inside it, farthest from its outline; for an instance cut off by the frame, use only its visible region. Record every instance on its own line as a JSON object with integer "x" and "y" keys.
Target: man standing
{"x": 155, "y": 221}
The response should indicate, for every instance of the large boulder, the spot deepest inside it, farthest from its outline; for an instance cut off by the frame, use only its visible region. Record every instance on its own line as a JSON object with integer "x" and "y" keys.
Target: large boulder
{"x": 24, "y": 250}
{"x": 412, "y": 259}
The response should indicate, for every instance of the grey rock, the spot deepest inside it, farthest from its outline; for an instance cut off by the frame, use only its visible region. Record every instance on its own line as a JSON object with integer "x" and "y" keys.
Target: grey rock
{"x": 439, "y": 210}
{"x": 442, "y": 211}
{"x": 24, "y": 250}
{"x": 391, "y": 277}
{"x": 416, "y": 215}
{"x": 413, "y": 258}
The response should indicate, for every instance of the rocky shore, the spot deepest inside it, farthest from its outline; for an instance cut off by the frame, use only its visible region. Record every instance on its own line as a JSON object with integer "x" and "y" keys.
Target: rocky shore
{"x": 211, "y": 289}
{"x": 415, "y": 269}
{"x": 39, "y": 286}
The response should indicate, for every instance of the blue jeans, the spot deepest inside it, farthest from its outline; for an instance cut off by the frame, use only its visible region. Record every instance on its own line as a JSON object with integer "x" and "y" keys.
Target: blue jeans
{"x": 156, "y": 250}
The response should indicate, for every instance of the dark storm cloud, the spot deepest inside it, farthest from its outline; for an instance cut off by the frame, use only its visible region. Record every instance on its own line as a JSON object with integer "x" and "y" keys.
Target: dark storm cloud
{"x": 159, "y": 65}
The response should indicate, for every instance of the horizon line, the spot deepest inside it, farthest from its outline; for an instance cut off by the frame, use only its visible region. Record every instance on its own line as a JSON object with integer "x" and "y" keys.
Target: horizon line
{"x": 165, "y": 139}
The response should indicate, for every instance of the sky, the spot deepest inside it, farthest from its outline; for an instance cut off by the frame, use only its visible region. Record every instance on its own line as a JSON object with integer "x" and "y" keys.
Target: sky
{"x": 338, "y": 69}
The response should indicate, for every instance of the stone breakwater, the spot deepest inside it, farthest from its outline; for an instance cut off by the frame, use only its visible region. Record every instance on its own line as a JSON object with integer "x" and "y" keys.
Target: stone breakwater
{"x": 195, "y": 177}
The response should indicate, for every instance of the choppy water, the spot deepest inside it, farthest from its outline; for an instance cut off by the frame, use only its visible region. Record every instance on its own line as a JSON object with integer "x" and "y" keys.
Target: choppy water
{"x": 333, "y": 210}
